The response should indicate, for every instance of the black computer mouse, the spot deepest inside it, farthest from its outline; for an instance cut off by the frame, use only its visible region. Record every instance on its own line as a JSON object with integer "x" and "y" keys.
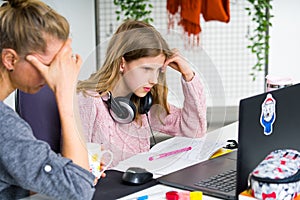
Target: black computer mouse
{"x": 136, "y": 176}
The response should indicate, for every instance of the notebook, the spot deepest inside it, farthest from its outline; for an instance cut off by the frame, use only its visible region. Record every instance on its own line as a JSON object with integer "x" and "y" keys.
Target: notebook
{"x": 267, "y": 122}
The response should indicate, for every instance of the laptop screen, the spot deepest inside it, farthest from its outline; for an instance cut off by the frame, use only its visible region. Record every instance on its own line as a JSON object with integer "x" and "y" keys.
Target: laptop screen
{"x": 267, "y": 122}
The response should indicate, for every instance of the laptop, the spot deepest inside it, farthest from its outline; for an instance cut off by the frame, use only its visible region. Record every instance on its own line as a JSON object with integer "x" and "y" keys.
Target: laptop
{"x": 267, "y": 122}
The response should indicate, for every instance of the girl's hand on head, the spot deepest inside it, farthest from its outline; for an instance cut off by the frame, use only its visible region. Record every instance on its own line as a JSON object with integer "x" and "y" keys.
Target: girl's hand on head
{"x": 62, "y": 74}
{"x": 180, "y": 64}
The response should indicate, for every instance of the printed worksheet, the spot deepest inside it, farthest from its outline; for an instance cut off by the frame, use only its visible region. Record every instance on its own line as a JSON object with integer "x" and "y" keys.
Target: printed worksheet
{"x": 174, "y": 154}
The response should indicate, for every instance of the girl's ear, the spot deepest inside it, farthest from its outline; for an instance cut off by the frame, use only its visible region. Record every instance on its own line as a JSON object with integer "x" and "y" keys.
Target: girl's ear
{"x": 122, "y": 65}
{"x": 9, "y": 58}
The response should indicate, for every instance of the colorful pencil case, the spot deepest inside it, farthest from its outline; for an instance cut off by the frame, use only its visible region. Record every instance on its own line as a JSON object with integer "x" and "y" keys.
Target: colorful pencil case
{"x": 277, "y": 176}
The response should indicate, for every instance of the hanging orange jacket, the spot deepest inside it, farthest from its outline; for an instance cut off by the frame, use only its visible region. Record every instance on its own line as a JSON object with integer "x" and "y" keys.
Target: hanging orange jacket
{"x": 216, "y": 10}
{"x": 190, "y": 11}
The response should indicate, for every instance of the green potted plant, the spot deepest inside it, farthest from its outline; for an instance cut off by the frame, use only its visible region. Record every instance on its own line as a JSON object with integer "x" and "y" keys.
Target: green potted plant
{"x": 259, "y": 11}
{"x": 134, "y": 9}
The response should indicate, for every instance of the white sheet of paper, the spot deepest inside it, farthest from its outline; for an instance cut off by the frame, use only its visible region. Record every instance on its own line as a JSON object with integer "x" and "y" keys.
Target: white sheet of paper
{"x": 202, "y": 149}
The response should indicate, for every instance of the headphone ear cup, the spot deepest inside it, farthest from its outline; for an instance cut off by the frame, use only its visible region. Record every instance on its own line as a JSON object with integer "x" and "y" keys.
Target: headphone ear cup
{"x": 125, "y": 112}
{"x": 145, "y": 103}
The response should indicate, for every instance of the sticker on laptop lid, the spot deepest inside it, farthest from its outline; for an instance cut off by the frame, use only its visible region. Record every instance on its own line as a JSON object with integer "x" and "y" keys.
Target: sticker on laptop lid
{"x": 268, "y": 114}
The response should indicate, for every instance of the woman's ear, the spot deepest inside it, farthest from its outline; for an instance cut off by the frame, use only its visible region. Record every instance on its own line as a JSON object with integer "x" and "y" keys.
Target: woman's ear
{"x": 122, "y": 65}
{"x": 9, "y": 58}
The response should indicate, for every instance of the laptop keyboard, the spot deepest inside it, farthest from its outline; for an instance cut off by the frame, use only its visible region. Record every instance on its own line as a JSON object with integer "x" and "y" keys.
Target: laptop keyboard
{"x": 224, "y": 182}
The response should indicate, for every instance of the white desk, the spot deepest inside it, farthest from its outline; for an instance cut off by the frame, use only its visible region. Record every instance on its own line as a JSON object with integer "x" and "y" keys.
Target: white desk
{"x": 157, "y": 192}
{"x": 228, "y": 132}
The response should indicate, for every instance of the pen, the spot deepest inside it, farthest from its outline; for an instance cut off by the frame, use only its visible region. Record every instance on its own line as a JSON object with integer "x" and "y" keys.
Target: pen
{"x": 163, "y": 155}
{"x": 155, "y": 195}
{"x": 149, "y": 196}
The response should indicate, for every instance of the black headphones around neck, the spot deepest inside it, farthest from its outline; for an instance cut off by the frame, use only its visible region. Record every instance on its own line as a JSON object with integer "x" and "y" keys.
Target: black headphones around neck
{"x": 123, "y": 110}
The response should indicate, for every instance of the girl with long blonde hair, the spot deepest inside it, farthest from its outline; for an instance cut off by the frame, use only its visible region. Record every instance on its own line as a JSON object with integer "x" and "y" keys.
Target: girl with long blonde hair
{"x": 126, "y": 99}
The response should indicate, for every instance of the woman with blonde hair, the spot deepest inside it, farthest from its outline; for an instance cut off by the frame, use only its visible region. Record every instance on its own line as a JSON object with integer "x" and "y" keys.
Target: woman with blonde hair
{"x": 126, "y": 98}
{"x": 35, "y": 50}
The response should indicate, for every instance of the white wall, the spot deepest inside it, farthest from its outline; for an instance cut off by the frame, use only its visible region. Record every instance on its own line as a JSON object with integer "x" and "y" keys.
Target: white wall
{"x": 81, "y": 16}
{"x": 285, "y": 39}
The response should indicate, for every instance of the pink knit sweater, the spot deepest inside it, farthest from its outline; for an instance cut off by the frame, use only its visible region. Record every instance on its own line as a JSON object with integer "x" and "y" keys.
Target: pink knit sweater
{"x": 126, "y": 140}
